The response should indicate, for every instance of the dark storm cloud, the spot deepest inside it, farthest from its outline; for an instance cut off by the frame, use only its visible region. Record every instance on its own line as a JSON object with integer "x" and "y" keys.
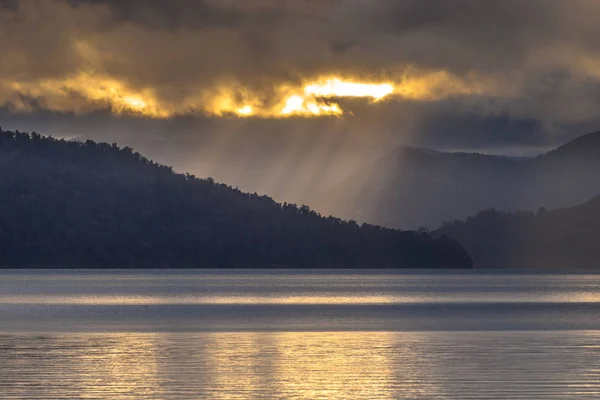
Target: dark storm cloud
{"x": 8, "y": 4}
{"x": 534, "y": 60}
{"x": 170, "y": 14}
{"x": 308, "y": 36}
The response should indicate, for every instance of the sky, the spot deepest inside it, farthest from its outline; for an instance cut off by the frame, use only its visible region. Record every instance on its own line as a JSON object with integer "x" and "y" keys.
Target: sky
{"x": 288, "y": 96}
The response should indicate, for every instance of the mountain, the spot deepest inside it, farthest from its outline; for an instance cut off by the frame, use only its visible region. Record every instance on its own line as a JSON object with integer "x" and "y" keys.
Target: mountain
{"x": 73, "y": 204}
{"x": 586, "y": 146}
{"x": 414, "y": 187}
{"x": 560, "y": 239}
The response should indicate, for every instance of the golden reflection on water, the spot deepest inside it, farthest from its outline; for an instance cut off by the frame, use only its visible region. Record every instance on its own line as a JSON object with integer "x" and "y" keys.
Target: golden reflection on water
{"x": 295, "y": 365}
{"x": 269, "y": 365}
{"x": 311, "y": 298}
{"x": 123, "y": 365}
{"x": 232, "y": 363}
{"x": 119, "y": 300}
{"x": 315, "y": 365}
{"x": 68, "y": 366}
{"x": 338, "y": 366}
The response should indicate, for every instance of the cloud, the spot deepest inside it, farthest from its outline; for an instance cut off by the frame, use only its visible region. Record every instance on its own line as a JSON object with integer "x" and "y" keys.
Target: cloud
{"x": 535, "y": 60}
{"x": 172, "y": 14}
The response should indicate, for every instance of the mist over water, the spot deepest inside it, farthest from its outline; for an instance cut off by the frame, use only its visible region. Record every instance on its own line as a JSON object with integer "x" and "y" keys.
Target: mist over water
{"x": 298, "y": 335}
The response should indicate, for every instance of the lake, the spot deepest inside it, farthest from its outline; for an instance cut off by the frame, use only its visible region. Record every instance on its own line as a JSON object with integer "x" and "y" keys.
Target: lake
{"x": 299, "y": 335}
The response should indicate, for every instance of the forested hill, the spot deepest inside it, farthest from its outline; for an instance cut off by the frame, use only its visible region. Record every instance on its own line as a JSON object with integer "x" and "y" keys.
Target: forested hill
{"x": 73, "y": 204}
{"x": 560, "y": 239}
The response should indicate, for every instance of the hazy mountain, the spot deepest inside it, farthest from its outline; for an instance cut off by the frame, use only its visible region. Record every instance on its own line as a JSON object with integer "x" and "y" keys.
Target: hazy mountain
{"x": 561, "y": 239}
{"x": 414, "y": 187}
{"x": 73, "y": 204}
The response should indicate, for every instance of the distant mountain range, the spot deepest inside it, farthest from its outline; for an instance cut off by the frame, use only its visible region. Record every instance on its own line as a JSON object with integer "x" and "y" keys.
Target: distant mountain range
{"x": 86, "y": 204}
{"x": 416, "y": 187}
{"x": 564, "y": 239}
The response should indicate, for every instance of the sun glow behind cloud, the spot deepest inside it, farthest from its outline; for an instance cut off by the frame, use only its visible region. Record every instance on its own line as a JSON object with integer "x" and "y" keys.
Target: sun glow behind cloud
{"x": 80, "y": 94}
{"x": 335, "y": 87}
{"x": 320, "y": 97}
{"x": 314, "y": 98}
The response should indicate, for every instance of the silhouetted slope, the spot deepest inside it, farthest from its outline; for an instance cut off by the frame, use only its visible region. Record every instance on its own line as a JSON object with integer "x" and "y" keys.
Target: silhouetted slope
{"x": 71, "y": 204}
{"x": 417, "y": 187}
{"x": 586, "y": 146}
{"x": 563, "y": 177}
{"x": 561, "y": 239}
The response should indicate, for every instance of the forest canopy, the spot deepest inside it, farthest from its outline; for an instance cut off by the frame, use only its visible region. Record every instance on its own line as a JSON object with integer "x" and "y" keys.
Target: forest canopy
{"x": 86, "y": 204}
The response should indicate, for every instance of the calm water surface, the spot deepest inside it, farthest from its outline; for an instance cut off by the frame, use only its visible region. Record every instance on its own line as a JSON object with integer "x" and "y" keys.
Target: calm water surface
{"x": 298, "y": 335}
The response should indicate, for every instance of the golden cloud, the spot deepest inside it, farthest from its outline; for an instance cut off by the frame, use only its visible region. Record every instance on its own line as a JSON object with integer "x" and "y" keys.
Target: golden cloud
{"x": 86, "y": 91}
